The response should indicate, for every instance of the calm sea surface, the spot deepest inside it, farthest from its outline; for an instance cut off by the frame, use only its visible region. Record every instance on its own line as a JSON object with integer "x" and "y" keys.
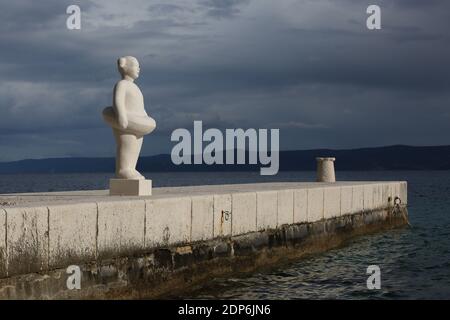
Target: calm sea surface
{"x": 414, "y": 262}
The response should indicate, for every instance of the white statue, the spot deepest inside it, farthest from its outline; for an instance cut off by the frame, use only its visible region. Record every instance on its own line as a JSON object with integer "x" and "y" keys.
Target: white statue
{"x": 128, "y": 119}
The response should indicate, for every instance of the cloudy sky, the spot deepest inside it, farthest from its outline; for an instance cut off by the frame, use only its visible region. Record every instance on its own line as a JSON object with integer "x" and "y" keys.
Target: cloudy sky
{"x": 308, "y": 67}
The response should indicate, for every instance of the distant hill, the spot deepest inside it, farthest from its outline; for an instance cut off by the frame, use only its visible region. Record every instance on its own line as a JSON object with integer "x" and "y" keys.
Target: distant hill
{"x": 382, "y": 158}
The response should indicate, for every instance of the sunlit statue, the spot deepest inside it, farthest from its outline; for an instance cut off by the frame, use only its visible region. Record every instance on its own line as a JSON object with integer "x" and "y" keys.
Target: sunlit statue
{"x": 128, "y": 119}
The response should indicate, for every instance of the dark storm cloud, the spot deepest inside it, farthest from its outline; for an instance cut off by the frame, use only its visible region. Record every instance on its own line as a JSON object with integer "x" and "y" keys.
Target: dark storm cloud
{"x": 310, "y": 68}
{"x": 19, "y": 15}
{"x": 223, "y": 8}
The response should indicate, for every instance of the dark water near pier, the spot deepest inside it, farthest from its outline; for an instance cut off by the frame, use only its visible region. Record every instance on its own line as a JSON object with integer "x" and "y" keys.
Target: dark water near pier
{"x": 414, "y": 262}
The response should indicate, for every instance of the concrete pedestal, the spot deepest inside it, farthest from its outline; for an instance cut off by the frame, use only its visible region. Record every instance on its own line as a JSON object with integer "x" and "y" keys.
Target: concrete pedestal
{"x": 128, "y": 187}
{"x": 325, "y": 170}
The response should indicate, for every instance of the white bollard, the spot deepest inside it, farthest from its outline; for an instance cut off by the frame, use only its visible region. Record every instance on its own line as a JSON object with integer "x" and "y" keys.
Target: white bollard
{"x": 325, "y": 170}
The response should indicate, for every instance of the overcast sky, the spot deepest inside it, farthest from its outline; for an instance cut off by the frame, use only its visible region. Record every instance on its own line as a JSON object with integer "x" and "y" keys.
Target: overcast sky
{"x": 308, "y": 67}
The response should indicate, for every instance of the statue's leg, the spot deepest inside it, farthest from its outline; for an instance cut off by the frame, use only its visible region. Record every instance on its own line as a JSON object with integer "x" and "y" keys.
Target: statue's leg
{"x": 139, "y": 141}
{"x": 128, "y": 149}
{"x": 117, "y": 154}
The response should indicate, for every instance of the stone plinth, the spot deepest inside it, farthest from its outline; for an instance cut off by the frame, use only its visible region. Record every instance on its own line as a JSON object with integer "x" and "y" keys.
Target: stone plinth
{"x": 130, "y": 187}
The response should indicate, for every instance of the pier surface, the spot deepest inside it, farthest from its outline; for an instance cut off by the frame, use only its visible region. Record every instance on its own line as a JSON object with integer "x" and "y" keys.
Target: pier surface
{"x": 141, "y": 247}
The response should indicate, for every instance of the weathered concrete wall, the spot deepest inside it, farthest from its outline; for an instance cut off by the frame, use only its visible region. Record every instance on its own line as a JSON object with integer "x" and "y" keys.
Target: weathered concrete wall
{"x": 145, "y": 247}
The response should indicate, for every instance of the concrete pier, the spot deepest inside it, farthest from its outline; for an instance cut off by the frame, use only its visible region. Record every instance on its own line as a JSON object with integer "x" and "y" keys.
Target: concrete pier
{"x": 145, "y": 247}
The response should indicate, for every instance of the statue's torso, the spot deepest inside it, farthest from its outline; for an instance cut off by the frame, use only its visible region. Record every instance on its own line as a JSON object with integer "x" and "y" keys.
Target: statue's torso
{"x": 134, "y": 100}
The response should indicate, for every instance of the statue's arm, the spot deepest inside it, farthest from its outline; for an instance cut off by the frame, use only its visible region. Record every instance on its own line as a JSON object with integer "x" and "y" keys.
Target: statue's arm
{"x": 119, "y": 104}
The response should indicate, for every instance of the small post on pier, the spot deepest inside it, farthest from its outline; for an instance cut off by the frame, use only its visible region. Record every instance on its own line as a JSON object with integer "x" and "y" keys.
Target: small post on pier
{"x": 325, "y": 170}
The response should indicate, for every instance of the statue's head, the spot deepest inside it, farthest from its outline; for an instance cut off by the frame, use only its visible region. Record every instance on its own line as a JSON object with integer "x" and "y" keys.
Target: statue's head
{"x": 128, "y": 66}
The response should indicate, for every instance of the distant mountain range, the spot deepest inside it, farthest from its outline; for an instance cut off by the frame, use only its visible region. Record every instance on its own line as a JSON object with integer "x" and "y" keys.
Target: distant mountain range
{"x": 381, "y": 158}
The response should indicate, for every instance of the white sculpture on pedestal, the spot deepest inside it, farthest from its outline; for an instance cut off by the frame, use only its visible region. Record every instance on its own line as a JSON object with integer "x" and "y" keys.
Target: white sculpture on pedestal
{"x": 129, "y": 121}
